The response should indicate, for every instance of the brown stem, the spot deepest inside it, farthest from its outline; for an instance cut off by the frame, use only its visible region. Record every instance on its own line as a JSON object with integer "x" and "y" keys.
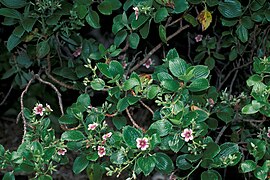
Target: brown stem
{"x": 55, "y": 89}
{"x": 133, "y": 121}
{"x": 157, "y": 47}
{"x": 221, "y": 133}
{"x": 147, "y": 107}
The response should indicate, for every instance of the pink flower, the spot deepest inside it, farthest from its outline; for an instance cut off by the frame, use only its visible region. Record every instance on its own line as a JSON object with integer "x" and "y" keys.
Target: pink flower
{"x": 148, "y": 63}
{"x": 92, "y": 126}
{"x": 61, "y": 152}
{"x": 136, "y": 9}
{"x": 106, "y": 136}
{"x": 101, "y": 151}
{"x": 48, "y": 108}
{"x": 187, "y": 134}
{"x": 268, "y": 133}
{"x": 198, "y": 38}
{"x": 142, "y": 143}
{"x": 39, "y": 109}
{"x": 77, "y": 52}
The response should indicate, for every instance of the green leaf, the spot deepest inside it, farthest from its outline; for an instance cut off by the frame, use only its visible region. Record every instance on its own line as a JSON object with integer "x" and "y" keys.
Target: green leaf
{"x": 163, "y": 162}
{"x": 210, "y": 62}
{"x": 28, "y": 23}
{"x": 122, "y": 104}
{"x": 247, "y": 22}
{"x": 200, "y": 71}
{"x": 80, "y": 163}
{"x": 171, "y": 85}
{"x": 198, "y": 85}
{"x": 9, "y": 176}
{"x": 130, "y": 134}
{"x": 152, "y": 91}
{"x": 225, "y": 114}
{"x": 106, "y": 7}
{"x": 135, "y": 24}
{"x": 134, "y": 40}
{"x": 146, "y": 164}
{"x": 176, "y": 143}
{"x": 98, "y": 84}
{"x": 43, "y": 49}
{"x": 191, "y": 19}
{"x": 261, "y": 173}
{"x": 144, "y": 31}
{"x": 12, "y": 42}
{"x": 45, "y": 177}
{"x": 119, "y": 122}
{"x": 67, "y": 119}
{"x": 92, "y": 19}
{"x": 14, "y": 4}
{"x": 118, "y": 157}
{"x": 242, "y": 33}
{"x": 248, "y": 166}
{"x": 211, "y": 174}
{"x": 116, "y": 69}
{"x": 256, "y": 5}
{"x": 230, "y": 8}
{"x": 163, "y": 127}
{"x": 178, "y": 66}
{"x": 161, "y": 15}
{"x": 84, "y": 99}
{"x": 72, "y": 135}
{"x": 104, "y": 69}
{"x": 11, "y": 13}
{"x": 257, "y": 148}
{"x": 212, "y": 149}
{"x": 120, "y": 37}
{"x": 18, "y": 31}
{"x": 180, "y": 6}
{"x": 182, "y": 163}
{"x": 162, "y": 33}
{"x": 212, "y": 3}
{"x": 130, "y": 83}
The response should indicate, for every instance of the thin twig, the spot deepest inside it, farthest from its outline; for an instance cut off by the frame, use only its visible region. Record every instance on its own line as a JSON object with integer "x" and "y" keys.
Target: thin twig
{"x": 22, "y": 107}
{"x": 157, "y": 47}
{"x": 221, "y": 133}
{"x": 147, "y": 107}
{"x": 133, "y": 121}
{"x": 8, "y": 93}
{"x": 55, "y": 89}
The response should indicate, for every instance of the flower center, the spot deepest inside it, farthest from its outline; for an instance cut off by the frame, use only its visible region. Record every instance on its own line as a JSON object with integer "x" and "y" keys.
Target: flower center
{"x": 142, "y": 143}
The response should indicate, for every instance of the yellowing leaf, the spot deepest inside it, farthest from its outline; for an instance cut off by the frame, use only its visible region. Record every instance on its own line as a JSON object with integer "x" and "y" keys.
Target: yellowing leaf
{"x": 205, "y": 18}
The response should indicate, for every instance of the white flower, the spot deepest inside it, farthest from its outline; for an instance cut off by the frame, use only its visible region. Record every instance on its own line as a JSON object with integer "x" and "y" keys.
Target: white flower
{"x": 92, "y": 126}
{"x": 148, "y": 63}
{"x": 101, "y": 151}
{"x": 187, "y": 134}
{"x": 142, "y": 143}
{"x": 106, "y": 136}
{"x": 61, "y": 152}
{"x": 198, "y": 38}
{"x": 39, "y": 109}
{"x": 136, "y": 9}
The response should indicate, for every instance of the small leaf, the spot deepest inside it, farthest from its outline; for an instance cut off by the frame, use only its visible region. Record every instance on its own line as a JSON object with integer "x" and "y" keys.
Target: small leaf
{"x": 248, "y": 166}
{"x": 180, "y": 6}
{"x": 163, "y": 162}
{"x": 14, "y": 4}
{"x": 118, "y": 157}
{"x": 152, "y": 91}
{"x": 163, "y": 127}
{"x": 67, "y": 119}
{"x": 43, "y": 49}
{"x": 80, "y": 163}
{"x": 120, "y": 37}
{"x": 210, "y": 174}
{"x": 84, "y": 99}
{"x": 205, "y": 18}
{"x": 162, "y": 33}
{"x": 182, "y": 163}
{"x": 130, "y": 134}
{"x": 72, "y": 135}
{"x": 178, "y": 67}
{"x": 146, "y": 164}
{"x": 161, "y": 15}
{"x": 134, "y": 40}
{"x": 11, "y": 13}
{"x": 98, "y": 84}
{"x": 12, "y": 42}
{"x": 92, "y": 19}
{"x": 212, "y": 149}
{"x": 242, "y": 33}
{"x": 198, "y": 85}
{"x": 230, "y": 8}
{"x": 130, "y": 83}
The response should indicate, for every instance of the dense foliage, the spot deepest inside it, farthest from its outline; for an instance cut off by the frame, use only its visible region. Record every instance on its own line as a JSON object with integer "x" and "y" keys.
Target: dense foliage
{"x": 131, "y": 88}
